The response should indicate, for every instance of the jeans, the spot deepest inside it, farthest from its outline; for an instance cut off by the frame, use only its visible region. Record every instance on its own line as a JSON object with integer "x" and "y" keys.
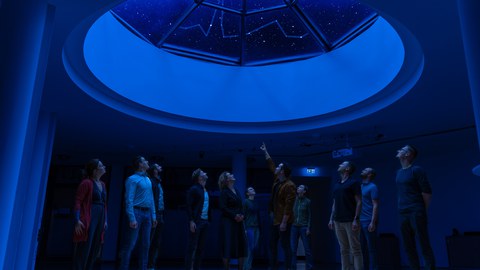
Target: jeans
{"x": 144, "y": 225}
{"x": 196, "y": 245}
{"x": 349, "y": 242}
{"x": 369, "y": 248}
{"x": 156, "y": 241}
{"x": 414, "y": 225}
{"x": 301, "y": 232}
{"x": 284, "y": 238}
{"x": 253, "y": 234}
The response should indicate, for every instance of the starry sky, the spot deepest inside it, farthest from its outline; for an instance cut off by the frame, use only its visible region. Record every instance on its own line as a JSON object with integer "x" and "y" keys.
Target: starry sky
{"x": 266, "y": 31}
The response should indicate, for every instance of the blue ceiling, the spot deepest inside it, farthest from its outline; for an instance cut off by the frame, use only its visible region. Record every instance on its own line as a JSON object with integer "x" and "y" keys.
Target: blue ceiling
{"x": 311, "y": 90}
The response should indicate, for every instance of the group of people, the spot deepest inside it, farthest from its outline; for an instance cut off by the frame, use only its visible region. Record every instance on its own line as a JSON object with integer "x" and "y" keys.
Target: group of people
{"x": 354, "y": 216}
{"x": 144, "y": 207}
{"x": 355, "y": 206}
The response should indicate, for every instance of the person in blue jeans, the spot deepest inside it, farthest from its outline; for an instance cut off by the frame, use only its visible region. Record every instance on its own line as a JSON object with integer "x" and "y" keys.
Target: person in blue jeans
{"x": 252, "y": 225}
{"x": 140, "y": 210}
{"x": 414, "y": 197}
{"x": 369, "y": 219}
{"x": 301, "y": 227}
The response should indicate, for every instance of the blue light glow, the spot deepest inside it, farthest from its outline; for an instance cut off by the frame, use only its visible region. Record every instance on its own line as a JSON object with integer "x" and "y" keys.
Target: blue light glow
{"x": 310, "y": 171}
{"x": 195, "y": 89}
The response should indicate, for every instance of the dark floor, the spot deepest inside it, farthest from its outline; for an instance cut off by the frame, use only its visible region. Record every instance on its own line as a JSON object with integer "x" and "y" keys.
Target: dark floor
{"x": 170, "y": 266}
{"x": 178, "y": 266}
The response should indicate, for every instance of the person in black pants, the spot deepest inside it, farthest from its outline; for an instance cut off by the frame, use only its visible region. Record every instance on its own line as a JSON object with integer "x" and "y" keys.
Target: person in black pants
{"x": 232, "y": 228}
{"x": 198, "y": 211}
{"x": 156, "y": 234}
{"x": 414, "y": 197}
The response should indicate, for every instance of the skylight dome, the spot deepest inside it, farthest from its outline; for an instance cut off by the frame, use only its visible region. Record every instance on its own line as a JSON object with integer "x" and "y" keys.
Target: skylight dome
{"x": 246, "y": 32}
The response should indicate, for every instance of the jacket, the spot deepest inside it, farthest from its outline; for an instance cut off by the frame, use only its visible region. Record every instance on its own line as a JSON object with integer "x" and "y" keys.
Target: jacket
{"x": 195, "y": 199}
{"x": 281, "y": 203}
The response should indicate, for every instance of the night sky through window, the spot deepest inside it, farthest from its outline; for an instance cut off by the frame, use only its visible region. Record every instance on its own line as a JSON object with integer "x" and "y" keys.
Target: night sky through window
{"x": 248, "y": 32}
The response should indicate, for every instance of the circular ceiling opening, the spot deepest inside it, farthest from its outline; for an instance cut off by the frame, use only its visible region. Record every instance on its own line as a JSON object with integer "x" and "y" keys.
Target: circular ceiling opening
{"x": 357, "y": 78}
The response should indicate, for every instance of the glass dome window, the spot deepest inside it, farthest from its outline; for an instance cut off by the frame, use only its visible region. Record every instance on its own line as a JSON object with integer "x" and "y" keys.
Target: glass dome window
{"x": 246, "y": 32}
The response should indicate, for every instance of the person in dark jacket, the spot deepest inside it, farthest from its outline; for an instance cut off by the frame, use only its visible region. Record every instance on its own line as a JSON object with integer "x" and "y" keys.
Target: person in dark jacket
{"x": 156, "y": 234}
{"x": 198, "y": 210}
{"x": 90, "y": 216}
{"x": 232, "y": 228}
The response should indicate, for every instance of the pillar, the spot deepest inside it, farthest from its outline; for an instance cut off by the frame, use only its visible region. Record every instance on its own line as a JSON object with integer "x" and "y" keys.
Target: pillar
{"x": 469, "y": 11}
{"x": 239, "y": 165}
{"x": 25, "y": 39}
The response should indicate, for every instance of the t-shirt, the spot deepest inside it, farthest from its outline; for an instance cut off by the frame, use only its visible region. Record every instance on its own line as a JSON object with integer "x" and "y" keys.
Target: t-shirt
{"x": 369, "y": 193}
{"x": 344, "y": 196}
{"x": 411, "y": 183}
{"x": 204, "y": 214}
{"x": 251, "y": 213}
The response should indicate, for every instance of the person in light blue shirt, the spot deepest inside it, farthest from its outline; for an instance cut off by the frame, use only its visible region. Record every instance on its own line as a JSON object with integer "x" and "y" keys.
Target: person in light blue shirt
{"x": 141, "y": 214}
{"x": 369, "y": 219}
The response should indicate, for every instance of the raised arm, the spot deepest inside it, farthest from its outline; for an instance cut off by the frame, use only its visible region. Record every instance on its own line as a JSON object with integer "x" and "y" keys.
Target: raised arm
{"x": 270, "y": 163}
{"x": 263, "y": 147}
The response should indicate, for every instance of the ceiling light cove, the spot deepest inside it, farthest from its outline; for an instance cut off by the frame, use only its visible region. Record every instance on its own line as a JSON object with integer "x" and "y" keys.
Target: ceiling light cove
{"x": 362, "y": 64}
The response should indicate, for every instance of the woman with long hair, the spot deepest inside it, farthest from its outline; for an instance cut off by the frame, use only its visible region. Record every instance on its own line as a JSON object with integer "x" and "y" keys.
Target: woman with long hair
{"x": 90, "y": 216}
{"x": 232, "y": 228}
